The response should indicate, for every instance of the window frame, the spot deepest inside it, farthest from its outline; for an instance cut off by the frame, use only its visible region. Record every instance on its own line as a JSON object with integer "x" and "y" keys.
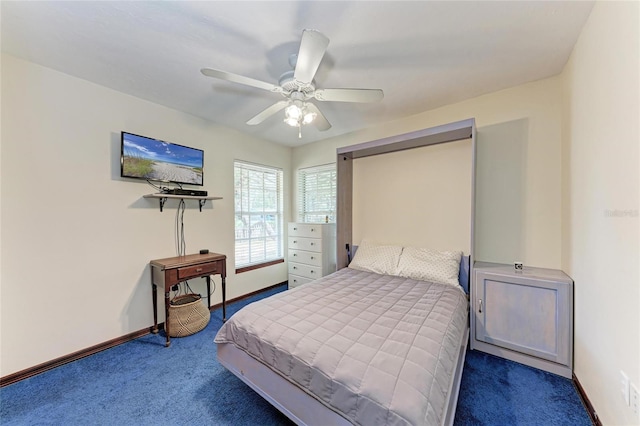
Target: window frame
{"x": 267, "y": 218}
{"x": 303, "y": 193}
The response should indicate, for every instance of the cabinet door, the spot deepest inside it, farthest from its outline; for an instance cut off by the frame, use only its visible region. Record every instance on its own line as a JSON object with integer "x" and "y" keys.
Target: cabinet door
{"x": 524, "y": 315}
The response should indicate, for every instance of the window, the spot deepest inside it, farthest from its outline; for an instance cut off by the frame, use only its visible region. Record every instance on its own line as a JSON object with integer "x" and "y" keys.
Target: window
{"x": 258, "y": 215}
{"x": 317, "y": 193}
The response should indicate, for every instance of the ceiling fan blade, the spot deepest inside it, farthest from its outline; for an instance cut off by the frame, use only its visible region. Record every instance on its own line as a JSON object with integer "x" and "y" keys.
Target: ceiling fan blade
{"x": 268, "y": 112}
{"x": 349, "y": 95}
{"x": 320, "y": 121}
{"x": 312, "y": 48}
{"x": 247, "y": 81}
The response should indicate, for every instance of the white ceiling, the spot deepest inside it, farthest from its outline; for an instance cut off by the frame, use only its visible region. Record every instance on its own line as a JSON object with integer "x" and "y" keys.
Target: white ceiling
{"x": 423, "y": 54}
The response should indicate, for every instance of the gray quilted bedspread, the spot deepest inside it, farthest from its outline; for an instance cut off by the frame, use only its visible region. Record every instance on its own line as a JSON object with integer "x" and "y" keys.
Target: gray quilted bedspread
{"x": 378, "y": 349}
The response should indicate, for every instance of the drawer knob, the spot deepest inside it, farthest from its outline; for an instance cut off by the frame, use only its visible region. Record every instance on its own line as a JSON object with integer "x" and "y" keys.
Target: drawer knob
{"x": 312, "y": 229}
{"x": 312, "y": 271}
{"x": 199, "y": 270}
{"x": 295, "y": 229}
{"x": 311, "y": 243}
{"x": 295, "y": 254}
{"x": 312, "y": 257}
{"x": 295, "y": 267}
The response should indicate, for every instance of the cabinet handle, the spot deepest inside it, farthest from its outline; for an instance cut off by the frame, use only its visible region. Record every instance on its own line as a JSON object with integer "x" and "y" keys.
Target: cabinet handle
{"x": 480, "y": 306}
{"x": 199, "y": 270}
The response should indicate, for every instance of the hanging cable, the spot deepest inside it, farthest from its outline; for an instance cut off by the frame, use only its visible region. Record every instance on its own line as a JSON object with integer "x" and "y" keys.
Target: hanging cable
{"x": 157, "y": 187}
{"x": 181, "y": 245}
{"x": 214, "y": 285}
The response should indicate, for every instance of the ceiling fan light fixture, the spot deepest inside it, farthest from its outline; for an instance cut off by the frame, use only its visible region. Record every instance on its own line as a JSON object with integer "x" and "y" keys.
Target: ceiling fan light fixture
{"x": 291, "y": 121}
{"x": 293, "y": 111}
{"x": 309, "y": 117}
{"x": 296, "y": 114}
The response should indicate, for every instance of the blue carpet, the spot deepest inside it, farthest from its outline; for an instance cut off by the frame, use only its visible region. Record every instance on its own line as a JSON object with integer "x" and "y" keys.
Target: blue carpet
{"x": 143, "y": 383}
{"x": 495, "y": 391}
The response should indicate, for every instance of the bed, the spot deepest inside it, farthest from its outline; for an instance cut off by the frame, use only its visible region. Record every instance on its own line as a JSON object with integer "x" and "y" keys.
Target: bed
{"x": 355, "y": 347}
{"x": 381, "y": 341}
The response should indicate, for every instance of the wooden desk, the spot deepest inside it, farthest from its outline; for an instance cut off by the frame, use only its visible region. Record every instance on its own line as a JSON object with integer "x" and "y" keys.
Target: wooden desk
{"x": 173, "y": 270}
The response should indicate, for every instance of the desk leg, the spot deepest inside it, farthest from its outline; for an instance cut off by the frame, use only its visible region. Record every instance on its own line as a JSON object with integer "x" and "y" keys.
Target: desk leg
{"x": 208, "y": 278}
{"x": 224, "y": 298}
{"x": 167, "y": 301}
{"x": 154, "y": 297}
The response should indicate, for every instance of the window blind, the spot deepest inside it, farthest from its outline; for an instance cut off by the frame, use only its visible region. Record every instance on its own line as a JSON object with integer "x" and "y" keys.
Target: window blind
{"x": 258, "y": 214}
{"x": 317, "y": 193}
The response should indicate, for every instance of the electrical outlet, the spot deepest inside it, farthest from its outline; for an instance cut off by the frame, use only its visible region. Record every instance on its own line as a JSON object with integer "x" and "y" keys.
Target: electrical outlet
{"x": 624, "y": 387}
{"x": 635, "y": 400}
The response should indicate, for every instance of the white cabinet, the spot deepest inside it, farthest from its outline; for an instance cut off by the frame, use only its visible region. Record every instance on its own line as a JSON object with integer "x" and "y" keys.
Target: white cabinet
{"x": 524, "y": 316}
{"x": 312, "y": 251}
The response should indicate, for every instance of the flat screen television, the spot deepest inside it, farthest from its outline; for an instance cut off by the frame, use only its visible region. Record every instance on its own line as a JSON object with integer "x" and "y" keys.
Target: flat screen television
{"x": 153, "y": 159}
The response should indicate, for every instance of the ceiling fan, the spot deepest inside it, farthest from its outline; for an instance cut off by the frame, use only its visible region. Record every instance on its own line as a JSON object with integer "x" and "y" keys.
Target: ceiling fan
{"x": 298, "y": 87}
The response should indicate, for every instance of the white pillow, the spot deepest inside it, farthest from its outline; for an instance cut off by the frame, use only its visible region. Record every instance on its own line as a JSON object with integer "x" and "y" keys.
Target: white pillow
{"x": 430, "y": 265}
{"x": 372, "y": 257}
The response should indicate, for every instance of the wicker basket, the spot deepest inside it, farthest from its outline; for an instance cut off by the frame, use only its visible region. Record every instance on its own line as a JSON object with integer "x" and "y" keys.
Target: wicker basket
{"x": 187, "y": 315}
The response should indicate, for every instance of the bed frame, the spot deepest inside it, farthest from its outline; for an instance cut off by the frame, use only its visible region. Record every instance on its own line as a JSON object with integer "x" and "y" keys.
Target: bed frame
{"x": 298, "y": 405}
{"x": 292, "y": 401}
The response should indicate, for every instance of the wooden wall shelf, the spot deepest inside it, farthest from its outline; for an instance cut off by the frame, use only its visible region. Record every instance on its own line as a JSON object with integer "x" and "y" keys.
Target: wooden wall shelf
{"x": 162, "y": 198}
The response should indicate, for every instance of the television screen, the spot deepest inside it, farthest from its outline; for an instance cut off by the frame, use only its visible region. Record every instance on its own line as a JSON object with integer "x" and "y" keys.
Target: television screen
{"x": 153, "y": 159}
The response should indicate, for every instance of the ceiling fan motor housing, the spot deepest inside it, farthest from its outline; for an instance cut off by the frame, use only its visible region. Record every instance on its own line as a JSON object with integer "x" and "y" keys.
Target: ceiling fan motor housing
{"x": 290, "y": 85}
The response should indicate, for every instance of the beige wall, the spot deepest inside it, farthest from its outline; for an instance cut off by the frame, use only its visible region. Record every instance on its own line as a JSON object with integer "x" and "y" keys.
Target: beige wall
{"x": 601, "y": 140}
{"x": 528, "y": 116}
{"x": 407, "y": 205}
{"x": 76, "y": 238}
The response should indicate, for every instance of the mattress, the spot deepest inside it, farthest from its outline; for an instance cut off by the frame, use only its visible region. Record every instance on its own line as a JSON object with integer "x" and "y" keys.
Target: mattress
{"x": 377, "y": 349}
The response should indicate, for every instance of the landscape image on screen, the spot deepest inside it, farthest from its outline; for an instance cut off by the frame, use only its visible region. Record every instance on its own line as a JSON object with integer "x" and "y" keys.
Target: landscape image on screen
{"x": 153, "y": 159}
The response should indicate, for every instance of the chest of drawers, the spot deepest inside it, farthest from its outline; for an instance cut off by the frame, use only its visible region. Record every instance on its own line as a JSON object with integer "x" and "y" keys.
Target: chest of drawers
{"x": 312, "y": 251}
